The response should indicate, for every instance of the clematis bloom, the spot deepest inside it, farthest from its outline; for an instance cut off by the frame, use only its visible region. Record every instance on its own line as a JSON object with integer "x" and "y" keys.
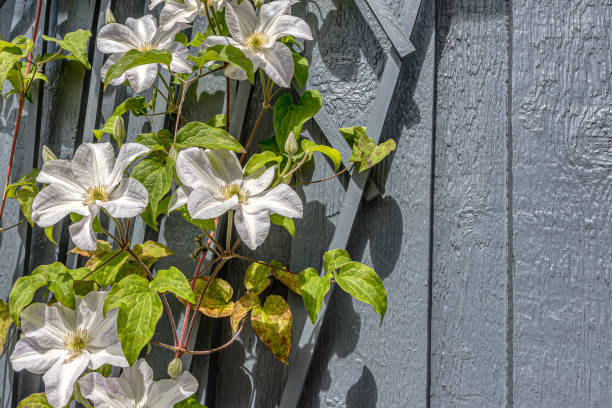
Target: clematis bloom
{"x": 175, "y": 13}
{"x": 136, "y": 388}
{"x": 90, "y": 181}
{"x": 144, "y": 35}
{"x": 256, "y": 34}
{"x": 214, "y": 183}
{"x": 62, "y": 343}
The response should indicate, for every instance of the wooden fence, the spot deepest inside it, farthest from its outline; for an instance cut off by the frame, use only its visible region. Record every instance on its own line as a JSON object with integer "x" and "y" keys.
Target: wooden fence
{"x": 492, "y": 230}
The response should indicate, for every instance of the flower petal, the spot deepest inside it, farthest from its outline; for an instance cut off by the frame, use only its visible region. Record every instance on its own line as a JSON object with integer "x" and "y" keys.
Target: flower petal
{"x": 116, "y": 38}
{"x": 278, "y": 63}
{"x": 218, "y": 40}
{"x": 271, "y": 11}
{"x": 141, "y": 77}
{"x": 82, "y": 234}
{"x": 53, "y": 203}
{"x": 194, "y": 169}
{"x": 112, "y": 355}
{"x": 179, "y": 198}
{"x": 282, "y": 200}
{"x": 128, "y": 200}
{"x": 59, "y": 172}
{"x": 128, "y": 153}
{"x": 112, "y": 60}
{"x": 107, "y": 392}
{"x": 144, "y": 27}
{"x": 252, "y": 228}
{"x": 241, "y": 19}
{"x": 289, "y": 25}
{"x": 60, "y": 379}
{"x": 203, "y": 206}
{"x": 175, "y": 13}
{"x": 166, "y": 393}
{"x": 33, "y": 357}
{"x": 48, "y": 325}
{"x": 236, "y": 73}
{"x": 257, "y": 182}
{"x": 140, "y": 378}
{"x": 180, "y": 62}
{"x": 93, "y": 164}
{"x": 225, "y": 165}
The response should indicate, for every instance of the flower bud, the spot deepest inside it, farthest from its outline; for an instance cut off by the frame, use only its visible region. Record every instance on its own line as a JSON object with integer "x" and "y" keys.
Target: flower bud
{"x": 119, "y": 130}
{"x": 291, "y": 144}
{"x": 109, "y": 18}
{"x": 47, "y": 154}
{"x": 175, "y": 368}
{"x": 258, "y": 3}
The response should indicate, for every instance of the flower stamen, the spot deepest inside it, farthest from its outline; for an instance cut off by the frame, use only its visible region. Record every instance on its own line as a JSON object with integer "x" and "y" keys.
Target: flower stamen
{"x": 231, "y": 190}
{"x": 94, "y": 194}
{"x": 75, "y": 343}
{"x": 256, "y": 41}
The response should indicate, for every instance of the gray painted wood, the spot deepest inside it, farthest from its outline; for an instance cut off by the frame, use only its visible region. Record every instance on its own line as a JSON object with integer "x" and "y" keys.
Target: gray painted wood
{"x": 469, "y": 260}
{"x": 562, "y": 195}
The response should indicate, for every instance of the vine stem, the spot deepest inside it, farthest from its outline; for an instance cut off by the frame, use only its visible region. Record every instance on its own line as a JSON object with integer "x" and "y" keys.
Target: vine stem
{"x": 19, "y": 114}
{"x": 187, "y": 308}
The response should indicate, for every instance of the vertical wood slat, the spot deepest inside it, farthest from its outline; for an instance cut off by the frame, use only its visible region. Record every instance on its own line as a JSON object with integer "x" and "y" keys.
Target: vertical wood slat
{"x": 562, "y": 200}
{"x": 469, "y": 262}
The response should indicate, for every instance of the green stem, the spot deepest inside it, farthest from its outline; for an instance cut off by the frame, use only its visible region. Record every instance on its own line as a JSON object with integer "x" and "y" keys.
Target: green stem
{"x": 230, "y": 226}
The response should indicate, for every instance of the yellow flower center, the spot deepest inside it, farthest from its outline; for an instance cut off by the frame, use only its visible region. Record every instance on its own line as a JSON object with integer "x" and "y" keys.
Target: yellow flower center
{"x": 145, "y": 48}
{"x": 256, "y": 41}
{"x": 228, "y": 192}
{"x": 94, "y": 194}
{"x": 75, "y": 342}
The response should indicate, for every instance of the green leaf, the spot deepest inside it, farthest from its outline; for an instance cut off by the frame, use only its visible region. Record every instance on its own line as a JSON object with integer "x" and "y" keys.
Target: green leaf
{"x": 272, "y": 323}
{"x": 208, "y": 225}
{"x": 51, "y": 271}
{"x": 350, "y": 133}
{"x": 313, "y": 289}
{"x": 191, "y": 402}
{"x": 289, "y": 279}
{"x": 23, "y": 293}
{"x": 26, "y": 195}
{"x": 259, "y": 160}
{"x": 284, "y": 222}
{"x": 135, "y": 58}
{"x": 107, "y": 274}
{"x": 290, "y": 117}
{"x": 243, "y": 306}
{"x": 76, "y": 44}
{"x": 5, "y": 323}
{"x": 152, "y": 250}
{"x": 173, "y": 280}
{"x": 217, "y": 300}
{"x": 149, "y": 218}
{"x": 27, "y": 180}
{"x": 128, "y": 287}
{"x": 35, "y": 401}
{"x": 256, "y": 278}
{"x": 49, "y": 232}
{"x": 335, "y": 258}
{"x": 9, "y": 55}
{"x": 225, "y": 53}
{"x": 364, "y": 284}
{"x": 300, "y": 72}
{"x": 269, "y": 145}
{"x": 62, "y": 288}
{"x": 217, "y": 121}
{"x": 198, "y": 134}
{"x": 365, "y": 151}
{"x": 310, "y": 147}
{"x": 137, "y": 106}
{"x": 154, "y": 141}
{"x": 156, "y": 176}
{"x": 95, "y": 225}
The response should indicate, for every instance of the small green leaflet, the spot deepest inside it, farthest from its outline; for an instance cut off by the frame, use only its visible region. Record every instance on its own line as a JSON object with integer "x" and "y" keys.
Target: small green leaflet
{"x": 313, "y": 289}
{"x": 135, "y": 58}
{"x": 284, "y": 222}
{"x": 173, "y": 280}
{"x": 290, "y": 117}
{"x": 137, "y": 105}
{"x": 35, "y": 401}
{"x": 191, "y": 402}
{"x": 258, "y": 160}
{"x": 225, "y": 53}
{"x": 5, "y": 323}
{"x": 76, "y": 44}
{"x": 365, "y": 151}
{"x": 364, "y": 284}
{"x": 156, "y": 175}
{"x": 335, "y": 258}
{"x": 310, "y": 147}
{"x": 23, "y": 293}
{"x": 198, "y": 134}
{"x": 300, "y": 72}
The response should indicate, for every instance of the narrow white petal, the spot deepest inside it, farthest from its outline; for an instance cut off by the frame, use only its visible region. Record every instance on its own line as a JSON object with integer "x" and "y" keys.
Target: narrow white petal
{"x": 289, "y": 25}
{"x": 175, "y": 13}
{"x": 89, "y": 310}
{"x": 252, "y": 228}
{"x": 112, "y": 355}
{"x": 282, "y": 200}
{"x": 60, "y": 379}
{"x": 257, "y": 182}
{"x": 144, "y": 27}
{"x": 166, "y": 393}
{"x": 53, "y": 203}
{"x": 180, "y": 62}
{"x": 116, "y": 38}
{"x": 226, "y": 165}
{"x": 83, "y": 235}
{"x": 48, "y": 325}
{"x": 29, "y": 355}
{"x": 128, "y": 200}
{"x": 241, "y": 19}
{"x": 128, "y": 153}
{"x": 141, "y": 77}
{"x": 203, "y": 206}
{"x": 218, "y": 40}
{"x": 278, "y": 63}
{"x": 59, "y": 172}
{"x": 194, "y": 169}
{"x": 179, "y": 198}
{"x": 140, "y": 378}
{"x": 93, "y": 164}
{"x": 107, "y": 392}
{"x": 112, "y": 60}
{"x": 271, "y": 11}
{"x": 236, "y": 73}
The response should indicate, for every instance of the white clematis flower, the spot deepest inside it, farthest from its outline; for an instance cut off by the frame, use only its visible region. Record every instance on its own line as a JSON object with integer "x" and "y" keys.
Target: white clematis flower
{"x": 255, "y": 35}
{"x": 175, "y": 13}
{"x": 62, "y": 343}
{"x": 213, "y": 183}
{"x": 141, "y": 34}
{"x": 136, "y": 388}
{"x": 90, "y": 181}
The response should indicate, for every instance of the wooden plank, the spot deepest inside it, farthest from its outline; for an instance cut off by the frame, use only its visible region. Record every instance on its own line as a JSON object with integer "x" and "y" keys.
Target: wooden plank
{"x": 469, "y": 258}
{"x": 562, "y": 195}
{"x": 399, "y": 34}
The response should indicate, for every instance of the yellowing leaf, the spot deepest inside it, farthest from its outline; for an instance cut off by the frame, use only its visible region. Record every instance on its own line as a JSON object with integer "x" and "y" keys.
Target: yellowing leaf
{"x": 291, "y": 280}
{"x": 5, "y": 323}
{"x": 241, "y": 308}
{"x": 272, "y": 323}
{"x": 256, "y": 278}
{"x": 217, "y": 300}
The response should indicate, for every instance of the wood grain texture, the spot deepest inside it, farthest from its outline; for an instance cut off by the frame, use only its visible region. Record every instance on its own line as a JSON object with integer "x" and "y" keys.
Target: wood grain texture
{"x": 562, "y": 196}
{"x": 469, "y": 259}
